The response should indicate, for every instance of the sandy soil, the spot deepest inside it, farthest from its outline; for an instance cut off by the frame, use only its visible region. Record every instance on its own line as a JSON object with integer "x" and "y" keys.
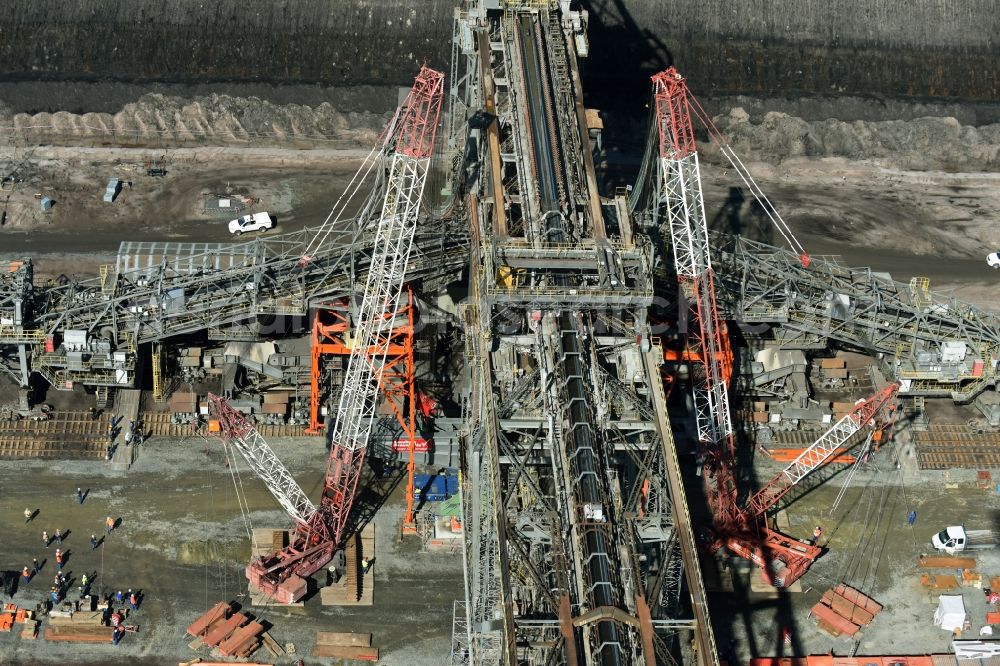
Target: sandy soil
{"x": 910, "y": 223}
{"x": 183, "y": 541}
{"x": 298, "y": 187}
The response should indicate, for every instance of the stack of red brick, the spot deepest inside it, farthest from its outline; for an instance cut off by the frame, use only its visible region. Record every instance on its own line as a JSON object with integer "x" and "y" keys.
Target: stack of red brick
{"x": 229, "y": 634}
{"x": 844, "y": 610}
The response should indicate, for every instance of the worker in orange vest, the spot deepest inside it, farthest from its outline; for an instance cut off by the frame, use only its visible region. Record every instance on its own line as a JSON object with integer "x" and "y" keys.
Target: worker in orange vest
{"x": 59, "y": 559}
{"x": 109, "y": 524}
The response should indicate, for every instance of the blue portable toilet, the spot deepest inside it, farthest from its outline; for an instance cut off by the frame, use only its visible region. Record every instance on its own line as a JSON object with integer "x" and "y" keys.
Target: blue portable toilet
{"x": 46, "y": 203}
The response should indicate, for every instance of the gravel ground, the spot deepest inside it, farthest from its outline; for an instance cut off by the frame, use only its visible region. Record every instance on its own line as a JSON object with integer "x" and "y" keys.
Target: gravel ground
{"x": 868, "y": 546}
{"x": 183, "y": 542}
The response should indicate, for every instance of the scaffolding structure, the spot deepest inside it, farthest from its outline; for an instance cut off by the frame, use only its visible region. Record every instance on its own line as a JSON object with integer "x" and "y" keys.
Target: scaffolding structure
{"x": 936, "y": 346}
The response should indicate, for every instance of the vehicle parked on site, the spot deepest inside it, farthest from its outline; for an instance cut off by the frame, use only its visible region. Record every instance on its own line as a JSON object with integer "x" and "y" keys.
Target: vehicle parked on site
{"x": 993, "y": 259}
{"x": 253, "y": 222}
{"x": 956, "y": 538}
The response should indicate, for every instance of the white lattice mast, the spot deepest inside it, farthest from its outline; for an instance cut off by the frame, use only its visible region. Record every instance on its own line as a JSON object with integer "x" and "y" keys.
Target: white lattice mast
{"x": 820, "y": 451}
{"x": 407, "y": 174}
{"x": 239, "y": 431}
{"x": 680, "y": 192}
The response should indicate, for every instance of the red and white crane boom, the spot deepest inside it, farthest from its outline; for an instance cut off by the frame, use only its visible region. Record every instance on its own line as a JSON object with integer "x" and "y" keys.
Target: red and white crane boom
{"x": 374, "y": 320}
{"x": 319, "y": 531}
{"x": 239, "y": 431}
{"x": 680, "y": 192}
{"x": 741, "y": 529}
{"x": 820, "y": 451}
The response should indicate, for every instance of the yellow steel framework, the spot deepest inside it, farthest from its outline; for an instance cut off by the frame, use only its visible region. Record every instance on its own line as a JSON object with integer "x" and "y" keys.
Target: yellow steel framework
{"x": 159, "y": 390}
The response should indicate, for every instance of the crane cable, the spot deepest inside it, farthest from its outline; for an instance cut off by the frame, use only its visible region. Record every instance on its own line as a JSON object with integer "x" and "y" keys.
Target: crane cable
{"x": 854, "y": 468}
{"x": 241, "y": 498}
{"x": 769, "y": 209}
{"x": 352, "y": 189}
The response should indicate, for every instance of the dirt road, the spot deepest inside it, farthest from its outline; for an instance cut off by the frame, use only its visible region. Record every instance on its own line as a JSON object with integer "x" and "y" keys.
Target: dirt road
{"x": 299, "y": 188}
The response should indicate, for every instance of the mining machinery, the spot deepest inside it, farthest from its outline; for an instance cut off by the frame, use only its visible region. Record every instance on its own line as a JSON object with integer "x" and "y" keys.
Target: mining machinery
{"x": 319, "y": 530}
{"x": 578, "y": 546}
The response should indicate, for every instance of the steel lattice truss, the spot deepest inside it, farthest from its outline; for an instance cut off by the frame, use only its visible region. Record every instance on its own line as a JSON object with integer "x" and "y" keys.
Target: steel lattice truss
{"x": 239, "y": 432}
{"x": 681, "y": 198}
{"x": 157, "y": 291}
{"x": 863, "y": 309}
{"x": 374, "y": 320}
{"x": 821, "y": 450}
{"x": 574, "y": 549}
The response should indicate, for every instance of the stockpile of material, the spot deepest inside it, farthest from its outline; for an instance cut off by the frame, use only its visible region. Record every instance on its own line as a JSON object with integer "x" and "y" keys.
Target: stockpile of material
{"x": 844, "y": 610}
{"x": 227, "y": 633}
{"x": 13, "y": 616}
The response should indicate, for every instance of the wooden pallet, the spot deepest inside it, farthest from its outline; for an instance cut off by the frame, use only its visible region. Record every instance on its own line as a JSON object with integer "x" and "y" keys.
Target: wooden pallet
{"x": 79, "y": 634}
{"x": 345, "y": 645}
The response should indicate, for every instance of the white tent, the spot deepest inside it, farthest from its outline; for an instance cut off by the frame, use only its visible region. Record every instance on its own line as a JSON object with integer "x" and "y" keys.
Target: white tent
{"x": 950, "y": 613}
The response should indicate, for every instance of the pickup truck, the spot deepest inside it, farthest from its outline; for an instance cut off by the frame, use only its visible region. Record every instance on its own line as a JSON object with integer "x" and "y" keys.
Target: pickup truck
{"x": 254, "y": 222}
{"x": 956, "y": 538}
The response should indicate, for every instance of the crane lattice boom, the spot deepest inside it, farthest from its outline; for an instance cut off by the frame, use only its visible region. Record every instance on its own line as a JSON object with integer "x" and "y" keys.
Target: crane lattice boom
{"x": 383, "y": 287}
{"x": 707, "y": 340}
{"x": 240, "y": 432}
{"x": 820, "y": 451}
{"x": 282, "y": 575}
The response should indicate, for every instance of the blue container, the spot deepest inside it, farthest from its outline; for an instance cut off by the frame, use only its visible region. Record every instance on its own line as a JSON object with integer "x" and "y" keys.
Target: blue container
{"x": 434, "y": 487}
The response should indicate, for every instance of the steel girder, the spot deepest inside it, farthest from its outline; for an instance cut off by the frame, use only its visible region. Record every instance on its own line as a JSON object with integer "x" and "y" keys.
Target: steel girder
{"x": 863, "y": 309}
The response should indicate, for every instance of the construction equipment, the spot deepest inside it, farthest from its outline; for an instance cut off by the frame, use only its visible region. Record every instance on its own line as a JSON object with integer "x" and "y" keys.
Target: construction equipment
{"x": 318, "y": 530}
{"x": 742, "y": 530}
{"x": 784, "y": 559}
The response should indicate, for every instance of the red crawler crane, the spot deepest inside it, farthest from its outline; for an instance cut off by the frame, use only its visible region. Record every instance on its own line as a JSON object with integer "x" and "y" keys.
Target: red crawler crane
{"x": 741, "y": 530}
{"x": 319, "y": 530}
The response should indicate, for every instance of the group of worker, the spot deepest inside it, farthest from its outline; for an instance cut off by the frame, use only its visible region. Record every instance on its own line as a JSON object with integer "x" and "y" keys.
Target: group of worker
{"x": 133, "y": 434}
{"x": 59, "y": 584}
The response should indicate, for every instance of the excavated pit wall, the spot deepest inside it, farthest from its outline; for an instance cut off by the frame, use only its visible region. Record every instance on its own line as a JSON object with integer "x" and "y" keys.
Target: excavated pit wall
{"x": 920, "y": 50}
{"x": 928, "y": 50}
